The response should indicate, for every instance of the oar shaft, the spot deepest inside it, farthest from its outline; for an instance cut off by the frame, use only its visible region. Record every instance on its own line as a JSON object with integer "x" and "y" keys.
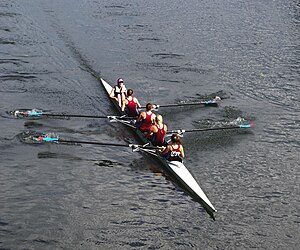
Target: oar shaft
{"x": 189, "y": 104}
{"x": 91, "y": 116}
{"x": 93, "y": 143}
{"x": 105, "y": 144}
{"x": 75, "y": 116}
{"x": 211, "y": 103}
{"x": 208, "y": 129}
{"x": 40, "y": 113}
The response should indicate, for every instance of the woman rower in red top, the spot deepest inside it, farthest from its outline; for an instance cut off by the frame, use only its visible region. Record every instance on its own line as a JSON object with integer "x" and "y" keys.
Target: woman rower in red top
{"x": 174, "y": 151}
{"x": 146, "y": 119}
{"x": 157, "y": 132}
{"x": 131, "y": 104}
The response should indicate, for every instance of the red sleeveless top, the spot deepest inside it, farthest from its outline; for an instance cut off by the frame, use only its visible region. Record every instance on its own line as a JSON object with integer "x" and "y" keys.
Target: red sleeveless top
{"x": 146, "y": 123}
{"x": 159, "y": 137}
{"x": 131, "y": 108}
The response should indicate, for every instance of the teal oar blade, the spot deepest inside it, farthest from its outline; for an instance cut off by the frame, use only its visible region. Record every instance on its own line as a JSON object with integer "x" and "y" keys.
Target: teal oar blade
{"x": 48, "y": 139}
{"x": 247, "y": 125}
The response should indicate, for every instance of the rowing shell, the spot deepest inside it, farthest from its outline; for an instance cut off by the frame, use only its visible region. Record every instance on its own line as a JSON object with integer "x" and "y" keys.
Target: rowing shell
{"x": 174, "y": 169}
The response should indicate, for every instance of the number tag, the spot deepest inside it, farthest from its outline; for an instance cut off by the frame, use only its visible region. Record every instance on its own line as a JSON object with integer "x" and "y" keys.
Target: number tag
{"x": 175, "y": 154}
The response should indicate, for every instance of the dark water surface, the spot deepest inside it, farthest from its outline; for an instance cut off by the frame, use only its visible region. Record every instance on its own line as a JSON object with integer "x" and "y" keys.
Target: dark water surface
{"x": 52, "y": 54}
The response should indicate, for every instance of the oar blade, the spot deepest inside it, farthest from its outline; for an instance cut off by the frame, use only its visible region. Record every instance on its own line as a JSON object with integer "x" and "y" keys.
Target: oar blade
{"x": 24, "y": 113}
{"x": 247, "y": 125}
{"x": 211, "y": 104}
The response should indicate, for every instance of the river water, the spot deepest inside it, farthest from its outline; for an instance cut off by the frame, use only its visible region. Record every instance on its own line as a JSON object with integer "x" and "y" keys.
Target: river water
{"x": 52, "y": 54}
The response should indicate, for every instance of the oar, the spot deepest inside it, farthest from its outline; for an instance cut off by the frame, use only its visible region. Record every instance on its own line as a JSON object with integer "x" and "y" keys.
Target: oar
{"x": 181, "y": 131}
{"x": 214, "y": 103}
{"x": 22, "y": 113}
{"x": 45, "y": 138}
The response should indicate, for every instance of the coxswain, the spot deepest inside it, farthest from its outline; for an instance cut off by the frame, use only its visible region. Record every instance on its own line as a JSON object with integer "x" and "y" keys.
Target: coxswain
{"x": 174, "y": 151}
{"x": 157, "y": 132}
{"x": 131, "y": 104}
{"x": 119, "y": 92}
{"x": 146, "y": 119}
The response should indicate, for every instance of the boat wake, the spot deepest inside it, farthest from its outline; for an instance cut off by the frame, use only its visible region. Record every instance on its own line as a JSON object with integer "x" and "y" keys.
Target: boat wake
{"x": 204, "y": 97}
{"x": 216, "y": 124}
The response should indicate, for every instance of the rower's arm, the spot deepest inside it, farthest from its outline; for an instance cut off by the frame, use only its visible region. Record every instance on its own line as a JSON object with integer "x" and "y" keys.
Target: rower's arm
{"x": 138, "y": 104}
{"x": 112, "y": 93}
{"x": 152, "y": 130}
{"x": 153, "y": 116}
{"x": 123, "y": 96}
{"x": 167, "y": 149}
{"x": 141, "y": 117}
{"x": 181, "y": 151}
{"x": 123, "y": 105}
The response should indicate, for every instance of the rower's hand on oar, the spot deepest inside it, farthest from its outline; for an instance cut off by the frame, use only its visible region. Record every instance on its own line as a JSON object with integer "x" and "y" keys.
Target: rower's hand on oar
{"x": 134, "y": 147}
{"x": 155, "y": 107}
{"x": 161, "y": 149}
{"x": 180, "y": 132}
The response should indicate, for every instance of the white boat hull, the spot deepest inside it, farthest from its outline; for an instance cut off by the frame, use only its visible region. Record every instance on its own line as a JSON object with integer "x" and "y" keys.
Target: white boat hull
{"x": 175, "y": 169}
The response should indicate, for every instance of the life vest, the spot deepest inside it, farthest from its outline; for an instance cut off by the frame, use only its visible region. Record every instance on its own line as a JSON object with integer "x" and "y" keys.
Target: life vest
{"x": 146, "y": 123}
{"x": 158, "y": 138}
{"x": 131, "y": 108}
{"x": 119, "y": 91}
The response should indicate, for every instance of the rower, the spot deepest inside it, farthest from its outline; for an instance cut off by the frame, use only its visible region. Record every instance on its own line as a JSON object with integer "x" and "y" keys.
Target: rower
{"x": 146, "y": 119}
{"x": 174, "y": 151}
{"x": 119, "y": 92}
{"x": 157, "y": 132}
{"x": 131, "y": 104}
